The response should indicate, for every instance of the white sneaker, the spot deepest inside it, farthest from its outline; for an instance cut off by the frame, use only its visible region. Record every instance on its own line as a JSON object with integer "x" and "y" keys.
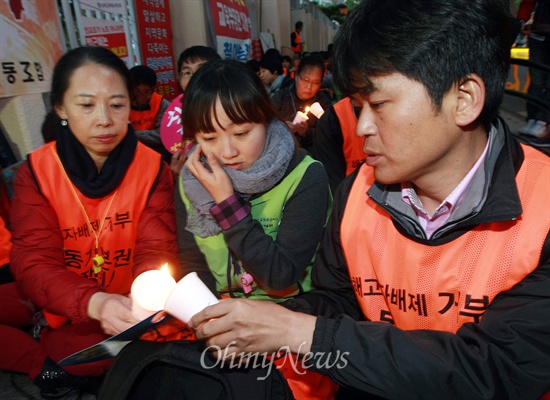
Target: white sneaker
{"x": 540, "y": 129}
{"x": 526, "y": 130}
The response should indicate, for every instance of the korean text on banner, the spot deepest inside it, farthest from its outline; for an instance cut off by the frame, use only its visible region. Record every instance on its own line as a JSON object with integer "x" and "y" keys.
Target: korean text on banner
{"x": 232, "y": 28}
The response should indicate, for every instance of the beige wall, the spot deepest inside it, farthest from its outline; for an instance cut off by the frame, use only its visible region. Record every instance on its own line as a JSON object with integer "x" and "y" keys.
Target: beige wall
{"x": 189, "y": 25}
{"x": 21, "y": 119}
{"x": 275, "y": 19}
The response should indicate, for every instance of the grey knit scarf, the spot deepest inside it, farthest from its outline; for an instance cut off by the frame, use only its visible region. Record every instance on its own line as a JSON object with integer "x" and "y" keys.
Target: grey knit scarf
{"x": 263, "y": 175}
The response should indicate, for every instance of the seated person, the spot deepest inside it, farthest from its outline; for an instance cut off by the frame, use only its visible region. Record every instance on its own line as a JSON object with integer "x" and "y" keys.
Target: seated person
{"x": 189, "y": 62}
{"x": 191, "y": 59}
{"x": 96, "y": 209}
{"x": 253, "y": 205}
{"x": 335, "y": 143}
{"x": 147, "y": 109}
{"x": 300, "y": 95}
{"x": 272, "y": 74}
{"x": 288, "y": 68}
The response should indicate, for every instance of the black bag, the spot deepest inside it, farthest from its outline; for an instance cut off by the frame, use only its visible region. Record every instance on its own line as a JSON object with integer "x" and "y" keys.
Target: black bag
{"x": 147, "y": 370}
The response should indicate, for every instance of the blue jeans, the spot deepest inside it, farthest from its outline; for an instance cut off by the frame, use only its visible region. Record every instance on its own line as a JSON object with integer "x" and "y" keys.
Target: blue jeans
{"x": 539, "y": 52}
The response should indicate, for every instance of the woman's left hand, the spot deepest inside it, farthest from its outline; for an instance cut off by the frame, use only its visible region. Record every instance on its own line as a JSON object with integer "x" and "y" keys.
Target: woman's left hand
{"x": 216, "y": 181}
{"x": 113, "y": 311}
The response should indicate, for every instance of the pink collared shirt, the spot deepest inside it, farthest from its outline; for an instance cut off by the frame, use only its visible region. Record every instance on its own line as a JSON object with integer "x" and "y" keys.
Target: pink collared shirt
{"x": 443, "y": 211}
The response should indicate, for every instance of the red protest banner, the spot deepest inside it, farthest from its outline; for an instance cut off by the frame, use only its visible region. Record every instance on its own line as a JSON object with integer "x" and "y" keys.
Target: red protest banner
{"x": 155, "y": 36}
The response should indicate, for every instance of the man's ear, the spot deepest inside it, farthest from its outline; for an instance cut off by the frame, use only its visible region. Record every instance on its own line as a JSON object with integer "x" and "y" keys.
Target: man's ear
{"x": 470, "y": 100}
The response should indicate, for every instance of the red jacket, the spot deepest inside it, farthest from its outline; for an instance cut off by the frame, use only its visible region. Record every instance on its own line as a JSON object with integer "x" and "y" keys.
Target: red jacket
{"x": 5, "y": 243}
{"x": 38, "y": 259}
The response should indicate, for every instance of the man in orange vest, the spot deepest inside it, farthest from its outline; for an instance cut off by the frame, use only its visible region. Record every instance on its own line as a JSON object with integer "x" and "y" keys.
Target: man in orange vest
{"x": 433, "y": 275}
{"x": 335, "y": 143}
{"x": 296, "y": 42}
{"x": 148, "y": 107}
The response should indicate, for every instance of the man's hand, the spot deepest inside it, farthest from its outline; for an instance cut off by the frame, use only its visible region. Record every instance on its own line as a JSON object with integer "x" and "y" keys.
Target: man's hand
{"x": 236, "y": 326}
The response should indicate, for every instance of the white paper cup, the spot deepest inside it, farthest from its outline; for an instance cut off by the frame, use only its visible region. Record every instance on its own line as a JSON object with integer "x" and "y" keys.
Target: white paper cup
{"x": 150, "y": 291}
{"x": 189, "y": 297}
{"x": 316, "y": 109}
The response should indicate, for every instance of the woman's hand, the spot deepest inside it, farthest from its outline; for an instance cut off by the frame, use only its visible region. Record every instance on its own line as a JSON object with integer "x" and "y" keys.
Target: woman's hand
{"x": 236, "y": 326}
{"x": 113, "y": 311}
{"x": 216, "y": 181}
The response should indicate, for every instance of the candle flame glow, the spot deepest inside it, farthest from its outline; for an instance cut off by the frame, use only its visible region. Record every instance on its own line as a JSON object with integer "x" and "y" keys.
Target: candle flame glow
{"x": 165, "y": 269}
{"x": 307, "y": 110}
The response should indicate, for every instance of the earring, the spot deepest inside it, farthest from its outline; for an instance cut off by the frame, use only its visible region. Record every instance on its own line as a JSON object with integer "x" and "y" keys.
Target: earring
{"x": 64, "y": 122}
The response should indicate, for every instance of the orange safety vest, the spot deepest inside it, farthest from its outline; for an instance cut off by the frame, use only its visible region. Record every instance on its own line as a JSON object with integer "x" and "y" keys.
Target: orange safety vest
{"x": 117, "y": 240}
{"x": 353, "y": 145}
{"x": 298, "y": 47}
{"x": 416, "y": 286}
{"x": 5, "y": 243}
{"x": 145, "y": 120}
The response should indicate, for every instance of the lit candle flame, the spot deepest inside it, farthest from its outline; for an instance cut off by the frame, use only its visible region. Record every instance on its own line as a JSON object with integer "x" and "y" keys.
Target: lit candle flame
{"x": 165, "y": 269}
{"x": 307, "y": 110}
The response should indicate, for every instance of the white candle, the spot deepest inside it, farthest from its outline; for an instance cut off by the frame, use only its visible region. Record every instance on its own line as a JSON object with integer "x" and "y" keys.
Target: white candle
{"x": 300, "y": 116}
{"x": 150, "y": 291}
{"x": 317, "y": 110}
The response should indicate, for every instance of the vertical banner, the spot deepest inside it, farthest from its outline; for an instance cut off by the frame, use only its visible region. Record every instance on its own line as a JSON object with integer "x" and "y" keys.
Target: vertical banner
{"x": 30, "y": 46}
{"x": 155, "y": 36}
{"x": 232, "y": 28}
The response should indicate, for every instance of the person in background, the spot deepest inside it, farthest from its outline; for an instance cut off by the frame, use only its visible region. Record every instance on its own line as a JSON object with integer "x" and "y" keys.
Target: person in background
{"x": 300, "y": 95}
{"x": 189, "y": 62}
{"x": 191, "y": 59}
{"x": 296, "y": 42}
{"x": 287, "y": 66}
{"x": 433, "y": 276}
{"x": 147, "y": 110}
{"x": 335, "y": 143}
{"x": 537, "y": 30}
{"x": 271, "y": 74}
{"x": 254, "y": 66}
{"x": 96, "y": 208}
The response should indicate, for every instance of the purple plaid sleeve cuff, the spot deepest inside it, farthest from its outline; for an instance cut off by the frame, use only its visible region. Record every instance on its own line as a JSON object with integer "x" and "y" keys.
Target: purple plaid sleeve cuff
{"x": 230, "y": 211}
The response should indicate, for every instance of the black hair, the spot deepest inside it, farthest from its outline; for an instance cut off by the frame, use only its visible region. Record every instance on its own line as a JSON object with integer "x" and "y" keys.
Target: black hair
{"x": 273, "y": 52}
{"x": 196, "y": 53}
{"x": 311, "y": 61}
{"x": 143, "y": 74}
{"x": 76, "y": 58}
{"x": 240, "y": 91}
{"x": 298, "y": 24}
{"x": 286, "y": 58}
{"x": 436, "y": 43}
{"x": 272, "y": 63}
{"x": 253, "y": 64}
